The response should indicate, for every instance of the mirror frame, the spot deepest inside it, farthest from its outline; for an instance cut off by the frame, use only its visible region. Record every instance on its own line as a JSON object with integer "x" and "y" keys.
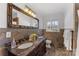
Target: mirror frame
{"x": 11, "y": 6}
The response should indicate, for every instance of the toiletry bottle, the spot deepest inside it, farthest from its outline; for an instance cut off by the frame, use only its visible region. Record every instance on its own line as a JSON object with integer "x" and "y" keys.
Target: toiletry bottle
{"x": 13, "y": 44}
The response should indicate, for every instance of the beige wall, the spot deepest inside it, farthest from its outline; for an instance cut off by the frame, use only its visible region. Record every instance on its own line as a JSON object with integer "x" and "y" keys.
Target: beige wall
{"x": 3, "y": 15}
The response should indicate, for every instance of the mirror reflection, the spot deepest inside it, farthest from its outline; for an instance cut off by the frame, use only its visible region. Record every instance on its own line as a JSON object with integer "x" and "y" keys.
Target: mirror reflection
{"x": 20, "y": 19}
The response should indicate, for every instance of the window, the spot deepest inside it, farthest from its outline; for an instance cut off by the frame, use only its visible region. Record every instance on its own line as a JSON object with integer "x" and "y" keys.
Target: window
{"x": 52, "y": 26}
{"x": 48, "y": 24}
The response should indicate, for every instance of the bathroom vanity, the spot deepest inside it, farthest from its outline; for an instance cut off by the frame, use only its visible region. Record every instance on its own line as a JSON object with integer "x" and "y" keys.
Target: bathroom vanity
{"x": 37, "y": 49}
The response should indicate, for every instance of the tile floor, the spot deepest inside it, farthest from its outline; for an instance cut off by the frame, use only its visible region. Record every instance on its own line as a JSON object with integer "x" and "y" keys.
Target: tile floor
{"x": 58, "y": 52}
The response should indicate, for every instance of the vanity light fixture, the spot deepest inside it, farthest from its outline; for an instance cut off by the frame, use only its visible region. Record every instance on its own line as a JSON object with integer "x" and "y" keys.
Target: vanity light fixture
{"x": 29, "y": 11}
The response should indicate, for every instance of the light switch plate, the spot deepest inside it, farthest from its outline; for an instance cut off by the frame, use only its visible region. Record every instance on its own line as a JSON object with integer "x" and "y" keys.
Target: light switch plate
{"x": 8, "y": 34}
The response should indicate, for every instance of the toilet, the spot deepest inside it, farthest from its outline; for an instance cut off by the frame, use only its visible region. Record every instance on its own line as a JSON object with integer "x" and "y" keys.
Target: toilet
{"x": 48, "y": 43}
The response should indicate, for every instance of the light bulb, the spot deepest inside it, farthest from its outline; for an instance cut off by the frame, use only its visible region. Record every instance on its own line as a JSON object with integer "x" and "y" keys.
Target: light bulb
{"x": 26, "y": 9}
{"x": 30, "y": 12}
{"x": 33, "y": 15}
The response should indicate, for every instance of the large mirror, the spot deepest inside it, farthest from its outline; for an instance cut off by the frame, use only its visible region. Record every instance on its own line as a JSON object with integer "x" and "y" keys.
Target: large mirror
{"x": 18, "y": 18}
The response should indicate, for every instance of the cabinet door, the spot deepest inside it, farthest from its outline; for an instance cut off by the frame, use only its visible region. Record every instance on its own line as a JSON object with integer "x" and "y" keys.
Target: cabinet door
{"x": 40, "y": 50}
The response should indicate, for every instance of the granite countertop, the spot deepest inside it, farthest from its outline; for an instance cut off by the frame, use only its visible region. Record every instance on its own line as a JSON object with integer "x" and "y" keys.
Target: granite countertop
{"x": 3, "y": 42}
{"x": 24, "y": 52}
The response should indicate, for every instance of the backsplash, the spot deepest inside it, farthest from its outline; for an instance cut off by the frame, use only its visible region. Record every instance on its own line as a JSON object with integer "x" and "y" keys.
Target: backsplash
{"x": 23, "y": 34}
{"x": 19, "y": 34}
{"x": 2, "y": 35}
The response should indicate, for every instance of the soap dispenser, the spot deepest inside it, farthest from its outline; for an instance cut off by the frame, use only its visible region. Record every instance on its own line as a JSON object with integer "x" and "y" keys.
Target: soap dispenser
{"x": 13, "y": 44}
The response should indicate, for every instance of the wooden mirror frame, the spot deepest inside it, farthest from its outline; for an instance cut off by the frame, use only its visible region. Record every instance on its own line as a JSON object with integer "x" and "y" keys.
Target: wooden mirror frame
{"x": 11, "y": 6}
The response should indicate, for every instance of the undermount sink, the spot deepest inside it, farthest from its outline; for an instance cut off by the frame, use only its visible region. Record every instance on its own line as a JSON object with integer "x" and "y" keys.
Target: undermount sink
{"x": 25, "y": 45}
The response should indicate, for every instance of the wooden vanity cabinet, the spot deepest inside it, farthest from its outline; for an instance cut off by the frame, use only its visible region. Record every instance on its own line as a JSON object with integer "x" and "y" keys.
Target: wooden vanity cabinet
{"x": 40, "y": 50}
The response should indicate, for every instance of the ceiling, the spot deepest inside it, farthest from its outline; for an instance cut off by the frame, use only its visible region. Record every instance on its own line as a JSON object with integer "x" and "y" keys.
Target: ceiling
{"x": 47, "y": 9}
